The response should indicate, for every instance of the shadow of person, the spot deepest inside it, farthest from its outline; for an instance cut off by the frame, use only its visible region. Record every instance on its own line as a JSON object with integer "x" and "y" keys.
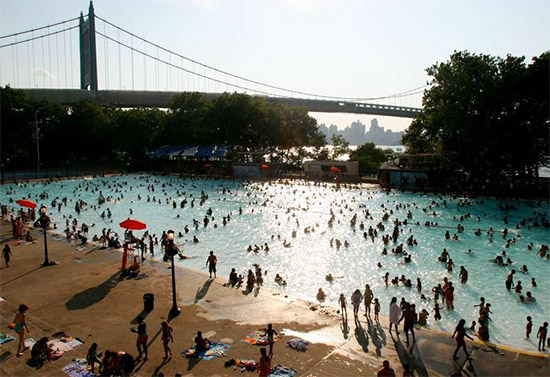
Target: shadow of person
{"x": 416, "y": 364}
{"x": 159, "y": 367}
{"x": 344, "y": 327}
{"x": 248, "y": 290}
{"x": 377, "y": 340}
{"x": 361, "y": 336}
{"x": 202, "y": 291}
{"x": 192, "y": 362}
{"x": 93, "y": 295}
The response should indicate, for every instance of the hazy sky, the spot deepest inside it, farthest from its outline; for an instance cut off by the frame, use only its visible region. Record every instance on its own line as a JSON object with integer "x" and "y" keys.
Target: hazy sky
{"x": 343, "y": 48}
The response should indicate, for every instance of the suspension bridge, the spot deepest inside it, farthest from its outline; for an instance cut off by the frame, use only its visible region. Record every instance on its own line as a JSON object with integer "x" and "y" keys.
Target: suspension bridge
{"x": 59, "y": 62}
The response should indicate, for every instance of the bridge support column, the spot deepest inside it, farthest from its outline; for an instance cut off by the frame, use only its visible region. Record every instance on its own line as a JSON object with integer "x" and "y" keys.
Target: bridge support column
{"x": 88, "y": 57}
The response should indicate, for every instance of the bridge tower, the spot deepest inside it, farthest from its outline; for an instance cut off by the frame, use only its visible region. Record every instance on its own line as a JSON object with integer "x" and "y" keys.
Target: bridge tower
{"x": 88, "y": 57}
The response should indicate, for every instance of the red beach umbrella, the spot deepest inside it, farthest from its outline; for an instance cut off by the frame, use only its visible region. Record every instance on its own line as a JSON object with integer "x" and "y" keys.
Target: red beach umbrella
{"x": 334, "y": 169}
{"x": 26, "y": 203}
{"x": 264, "y": 167}
{"x": 132, "y": 224}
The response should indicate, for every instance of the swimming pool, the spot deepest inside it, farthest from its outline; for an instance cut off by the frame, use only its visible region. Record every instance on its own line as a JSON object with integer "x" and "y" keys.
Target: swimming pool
{"x": 278, "y": 209}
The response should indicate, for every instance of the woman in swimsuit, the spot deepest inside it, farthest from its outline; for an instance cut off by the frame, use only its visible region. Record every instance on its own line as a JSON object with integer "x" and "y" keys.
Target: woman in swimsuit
{"x": 20, "y": 327}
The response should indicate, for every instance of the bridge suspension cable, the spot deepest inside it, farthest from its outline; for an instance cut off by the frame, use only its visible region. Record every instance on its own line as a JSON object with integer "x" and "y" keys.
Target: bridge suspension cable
{"x": 407, "y": 93}
{"x": 38, "y": 37}
{"x": 40, "y": 28}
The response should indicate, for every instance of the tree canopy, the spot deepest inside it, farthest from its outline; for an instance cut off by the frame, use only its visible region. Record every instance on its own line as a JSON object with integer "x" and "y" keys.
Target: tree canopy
{"x": 486, "y": 115}
{"x": 369, "y": 157}
{"x": 93, "y": 132}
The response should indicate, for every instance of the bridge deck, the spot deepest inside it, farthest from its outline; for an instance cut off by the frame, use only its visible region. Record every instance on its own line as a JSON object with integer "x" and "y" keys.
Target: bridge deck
{"x": 127, "y": 98}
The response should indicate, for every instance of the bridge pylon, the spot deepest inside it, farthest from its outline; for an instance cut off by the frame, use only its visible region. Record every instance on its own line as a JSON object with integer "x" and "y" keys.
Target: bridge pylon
{"x": 88, "y": 56}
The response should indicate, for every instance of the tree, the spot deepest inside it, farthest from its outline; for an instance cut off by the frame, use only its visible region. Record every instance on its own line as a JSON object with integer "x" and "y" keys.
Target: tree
{"x": 485, "y": 115}
{"x": 369, "y": 158}
{"x": 339, "y": 147}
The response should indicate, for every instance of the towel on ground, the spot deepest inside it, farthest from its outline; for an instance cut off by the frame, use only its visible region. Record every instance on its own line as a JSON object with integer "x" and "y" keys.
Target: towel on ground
{"x": 216, "y": 350}
{"x": 282, "y": 371}
{"x": 5, "y": 338}
{"x": 76, "y": 370}
{"x": 29, "y": 342}
{"x": 58, "y": 344}
{"x": 257, "y": 337}
{"x": 298, "y": 344}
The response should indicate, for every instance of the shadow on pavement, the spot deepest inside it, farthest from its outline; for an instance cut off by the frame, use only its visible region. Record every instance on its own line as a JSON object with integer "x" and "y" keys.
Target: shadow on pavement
{"x": 202, "y": 291}
{"x": 20, "y": 276}
{"x": 361, "y": 336}
{"x": 93, "y": 295}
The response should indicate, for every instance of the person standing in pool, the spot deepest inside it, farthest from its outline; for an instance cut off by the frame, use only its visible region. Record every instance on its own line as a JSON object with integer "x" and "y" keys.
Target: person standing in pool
{"x": 541, "y": 334}
{"x": 211, "y": 263}
{"x": 459, "y": 334}
{"x": 463, "y": 275}
{"x": 20, "y": 327}
{"x": 510, "y": 280}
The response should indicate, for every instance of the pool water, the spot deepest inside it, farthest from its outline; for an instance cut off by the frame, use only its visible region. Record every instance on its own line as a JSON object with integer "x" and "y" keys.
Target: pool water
{"x": 278, "y": 209}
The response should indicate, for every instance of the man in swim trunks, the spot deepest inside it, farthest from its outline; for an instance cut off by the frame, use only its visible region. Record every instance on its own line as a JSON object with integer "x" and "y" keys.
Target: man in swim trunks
{"x": 211, "y": 263}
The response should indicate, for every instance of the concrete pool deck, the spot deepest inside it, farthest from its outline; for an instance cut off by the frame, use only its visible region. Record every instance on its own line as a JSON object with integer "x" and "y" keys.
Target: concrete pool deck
{"x": 86, "y": 297}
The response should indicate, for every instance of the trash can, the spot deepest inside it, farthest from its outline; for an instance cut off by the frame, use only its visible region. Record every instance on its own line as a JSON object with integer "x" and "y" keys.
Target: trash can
{"x": 148, "y": 302}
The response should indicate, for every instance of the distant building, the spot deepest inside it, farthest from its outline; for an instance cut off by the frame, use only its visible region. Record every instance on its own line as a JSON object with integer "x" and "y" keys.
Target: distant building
{"x": 355, "y": 134}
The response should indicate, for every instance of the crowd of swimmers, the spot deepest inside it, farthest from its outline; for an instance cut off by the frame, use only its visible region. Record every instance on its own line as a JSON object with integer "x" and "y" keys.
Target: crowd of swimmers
{"x": 387, "y": 228}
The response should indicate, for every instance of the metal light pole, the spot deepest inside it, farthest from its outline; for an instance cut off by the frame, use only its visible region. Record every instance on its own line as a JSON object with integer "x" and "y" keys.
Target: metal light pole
{"x": 37, "y": 130}
{"x": 44, "y": 222}
{"x": 172, "y": 250}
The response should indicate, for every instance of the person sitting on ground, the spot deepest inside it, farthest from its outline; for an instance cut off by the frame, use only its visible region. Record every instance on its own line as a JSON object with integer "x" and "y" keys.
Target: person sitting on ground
{"x": 41, "y": 352}
{"x": 278, "y": 279}
{"x": 329, "y": 277}
{"x": 233, "y": 278}
{"x": 201, "y": 344}
{"x": 28, "y": 237}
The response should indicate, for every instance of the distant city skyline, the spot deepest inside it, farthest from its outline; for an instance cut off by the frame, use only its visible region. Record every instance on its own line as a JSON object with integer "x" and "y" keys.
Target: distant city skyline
{"x": 356, "y": 133}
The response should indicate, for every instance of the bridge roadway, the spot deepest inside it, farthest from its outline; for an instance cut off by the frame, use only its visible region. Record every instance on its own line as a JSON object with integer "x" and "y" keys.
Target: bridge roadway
{"x": 129, "y": 98}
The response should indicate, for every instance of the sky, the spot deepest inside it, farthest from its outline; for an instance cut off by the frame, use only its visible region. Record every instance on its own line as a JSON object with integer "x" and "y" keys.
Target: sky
{"x": 361, "y": 48}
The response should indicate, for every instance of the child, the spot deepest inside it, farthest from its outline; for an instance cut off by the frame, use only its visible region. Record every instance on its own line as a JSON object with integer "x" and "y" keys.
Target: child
{"x": 437, "y": 315}
{"x": 342, "y": 301}
{"x": 473, "y": 327}
{"x": 166, "y": 338}
{"x": 376, "y": 309}
{"x": 269, "y": 332}
{"x": 528, "y": 327}
{"x": 541, "y": 334}
{"x": 93, "y": 357}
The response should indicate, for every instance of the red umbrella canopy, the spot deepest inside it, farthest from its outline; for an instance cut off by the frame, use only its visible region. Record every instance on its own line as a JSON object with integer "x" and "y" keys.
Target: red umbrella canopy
{"x": 264, "y": 167}
{"x": 26, "y": 203}
{"x": 334, "y": 169}
{"x": 132, "y": 224}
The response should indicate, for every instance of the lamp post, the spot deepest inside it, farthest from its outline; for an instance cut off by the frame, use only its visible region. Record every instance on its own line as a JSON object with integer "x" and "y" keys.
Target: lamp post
{"x": 172, "y": 250}
{"x": 44, "y": 222}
